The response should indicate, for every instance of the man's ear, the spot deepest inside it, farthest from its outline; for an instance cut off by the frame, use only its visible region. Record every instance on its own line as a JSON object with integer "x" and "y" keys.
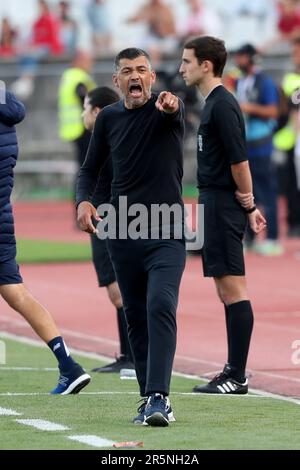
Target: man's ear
{"x": 115, "y": 80}
{"x": 96, "y": 111}
{"x": 153, "y": 76}
{"x": 207, "y": 66}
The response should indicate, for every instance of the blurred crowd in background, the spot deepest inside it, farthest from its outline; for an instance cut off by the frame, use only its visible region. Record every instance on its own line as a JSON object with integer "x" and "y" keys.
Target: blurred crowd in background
{"x": 82, "y": 32}
{"x": 33, "y": 30}
{"x": 59, "y": 27}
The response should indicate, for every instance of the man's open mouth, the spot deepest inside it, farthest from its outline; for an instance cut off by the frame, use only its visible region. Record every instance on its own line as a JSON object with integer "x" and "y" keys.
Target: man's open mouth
{"x": 135, "y": 91}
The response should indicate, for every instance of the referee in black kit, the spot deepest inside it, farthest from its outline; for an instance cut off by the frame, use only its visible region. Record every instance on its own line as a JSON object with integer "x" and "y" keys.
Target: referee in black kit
{"x": 143, "y": 135}
{"x": 223, "y": 173}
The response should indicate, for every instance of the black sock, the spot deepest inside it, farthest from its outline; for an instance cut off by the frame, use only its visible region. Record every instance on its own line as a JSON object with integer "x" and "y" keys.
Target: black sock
{"x": 123, "y": 335}
{"x": 240, "y": 325}
{"x": 228, "y": 336}
{"x": 61, "y": 352}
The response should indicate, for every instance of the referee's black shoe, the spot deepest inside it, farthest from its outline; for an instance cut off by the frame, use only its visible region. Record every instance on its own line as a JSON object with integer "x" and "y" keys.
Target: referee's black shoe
{"x": 224, "y": 384}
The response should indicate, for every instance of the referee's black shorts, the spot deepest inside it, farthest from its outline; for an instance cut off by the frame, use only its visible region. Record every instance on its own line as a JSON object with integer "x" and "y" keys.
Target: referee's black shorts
{"x": 225, "y": 223}
{"x": 102, "y": 262}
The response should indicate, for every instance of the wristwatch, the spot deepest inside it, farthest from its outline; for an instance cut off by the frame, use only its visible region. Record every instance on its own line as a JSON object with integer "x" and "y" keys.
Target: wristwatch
{"x": 252, "y": 209}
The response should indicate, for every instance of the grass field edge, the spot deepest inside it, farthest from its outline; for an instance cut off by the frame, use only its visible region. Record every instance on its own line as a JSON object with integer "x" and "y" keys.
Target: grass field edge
{"x": 91, "y": 355}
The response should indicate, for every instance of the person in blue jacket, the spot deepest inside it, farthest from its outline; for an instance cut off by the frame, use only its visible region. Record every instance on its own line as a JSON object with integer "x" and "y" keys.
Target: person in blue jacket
{"x": 72, "y": 376}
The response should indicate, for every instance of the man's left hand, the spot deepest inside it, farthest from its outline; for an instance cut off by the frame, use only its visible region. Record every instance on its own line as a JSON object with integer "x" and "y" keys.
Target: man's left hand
{"x": 257, "y": 221}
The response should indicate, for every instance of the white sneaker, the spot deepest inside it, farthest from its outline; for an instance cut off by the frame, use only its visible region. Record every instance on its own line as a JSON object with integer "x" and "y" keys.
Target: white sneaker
{"x": 127, "y": 374}
{"x": 23, "y": 87}
{"x": 268, "y": 248}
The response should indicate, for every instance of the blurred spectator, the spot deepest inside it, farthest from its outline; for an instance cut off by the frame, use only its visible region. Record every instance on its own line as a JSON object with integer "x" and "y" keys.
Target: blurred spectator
{"x": 46, "y": 31}
{"x": 259, "y": 100}
{"x": 7, "y": 39}
{"x": 160, "y": 21}
{"x": 98, "y": 16}
{"x": 247, "y": 21}
{"x": 68, "y": 28}
{"x": 285, "y": 141}
{"x": 201, "y": 20}
{"x": 74, "y": 85}
{"x": 230, "y": 79}
{"x": 288, "y": 26}
{"x": 45, "y": 40}
{"x": 289, "y": 19}
{"x": 255, "y": 8}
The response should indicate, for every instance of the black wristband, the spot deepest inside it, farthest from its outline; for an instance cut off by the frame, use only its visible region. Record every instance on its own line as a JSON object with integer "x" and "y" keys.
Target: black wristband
{"x": 249, "y": 211}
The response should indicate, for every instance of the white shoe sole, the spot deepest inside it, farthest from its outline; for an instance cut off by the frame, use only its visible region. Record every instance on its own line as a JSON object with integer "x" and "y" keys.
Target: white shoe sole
{"x": 77, "y": 385}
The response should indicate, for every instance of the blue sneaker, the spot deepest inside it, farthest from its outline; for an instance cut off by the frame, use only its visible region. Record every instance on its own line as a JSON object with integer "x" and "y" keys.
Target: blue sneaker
{"x": 72, "y": 381}
{"x": 156, "y": 413}
{"x": 140, "y": 418}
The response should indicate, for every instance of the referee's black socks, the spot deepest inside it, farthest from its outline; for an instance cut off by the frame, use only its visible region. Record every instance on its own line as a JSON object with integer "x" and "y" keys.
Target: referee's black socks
{"x": 227, "y": 331}
{"x": 239, "y": 323}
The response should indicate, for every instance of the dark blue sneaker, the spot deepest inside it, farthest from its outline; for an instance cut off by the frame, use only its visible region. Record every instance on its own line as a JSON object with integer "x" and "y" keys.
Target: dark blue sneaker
{"x": 72, "y": 381}
{"x": 156, "y": 410}
{"x": 140, "y": 418}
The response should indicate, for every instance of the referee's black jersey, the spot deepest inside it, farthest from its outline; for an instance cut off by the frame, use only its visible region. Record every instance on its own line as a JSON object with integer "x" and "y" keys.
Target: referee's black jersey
{"x": 145, "y": 146}
{"x": 221, "y": 140}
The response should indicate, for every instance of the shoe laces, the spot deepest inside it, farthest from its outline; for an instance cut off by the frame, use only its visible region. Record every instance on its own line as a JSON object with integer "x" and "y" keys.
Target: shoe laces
{"x": 157, "y": 399}
{"x": 142, "y": 406}
{"x": 221, "y": 377}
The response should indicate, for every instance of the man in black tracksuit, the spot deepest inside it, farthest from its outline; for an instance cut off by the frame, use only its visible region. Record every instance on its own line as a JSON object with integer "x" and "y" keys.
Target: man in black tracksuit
{"x": 93, "y": 104}
{"x": 223, "y": 176}
{"x": 143, "y": 135}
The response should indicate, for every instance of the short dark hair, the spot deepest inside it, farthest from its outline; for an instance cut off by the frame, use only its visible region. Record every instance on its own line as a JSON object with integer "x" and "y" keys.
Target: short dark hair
{"x": 131, "y": 53}
{"x": 102, "y": 96}
{"x": 209, "y": 48}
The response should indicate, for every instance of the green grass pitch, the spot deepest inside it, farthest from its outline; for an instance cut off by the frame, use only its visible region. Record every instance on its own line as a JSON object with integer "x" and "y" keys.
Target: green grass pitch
{"x": 106, "y": 407}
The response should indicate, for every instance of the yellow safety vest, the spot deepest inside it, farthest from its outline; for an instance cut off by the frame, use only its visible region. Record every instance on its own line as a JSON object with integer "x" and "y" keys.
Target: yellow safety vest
{"x": 285, "y": 139}
{"x": 70, "y": 107}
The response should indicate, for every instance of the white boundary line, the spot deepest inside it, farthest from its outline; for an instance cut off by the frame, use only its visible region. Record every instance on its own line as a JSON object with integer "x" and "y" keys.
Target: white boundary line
{"x": 90, "y": 440}
{"x": 262, "y": 393}
{"x": 43, "y": 425}
{"x": 9, "y": 412}
{"x": 30, "y": 369}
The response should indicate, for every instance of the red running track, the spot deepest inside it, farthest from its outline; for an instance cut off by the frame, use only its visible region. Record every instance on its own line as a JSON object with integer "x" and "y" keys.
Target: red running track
{"x": 88, "y": 321}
